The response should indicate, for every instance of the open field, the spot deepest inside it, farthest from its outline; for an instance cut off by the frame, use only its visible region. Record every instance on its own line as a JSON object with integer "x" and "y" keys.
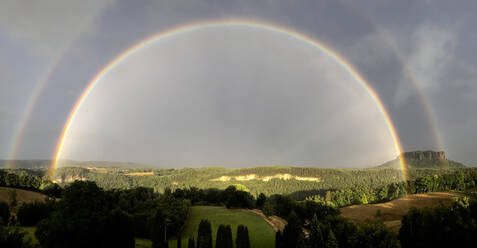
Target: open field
{"x": 261, "y": 233}
{"x": 393, "y": 211}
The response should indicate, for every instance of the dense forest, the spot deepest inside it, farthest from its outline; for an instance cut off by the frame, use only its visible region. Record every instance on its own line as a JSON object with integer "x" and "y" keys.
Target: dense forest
{"x": 340, "y": 187}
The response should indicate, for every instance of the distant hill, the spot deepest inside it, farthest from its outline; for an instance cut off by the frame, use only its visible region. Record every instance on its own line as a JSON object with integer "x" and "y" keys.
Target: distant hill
{"x": 424, "y": 160}
{"x": 45, "y": 164}
{"x": 26, "y": 164}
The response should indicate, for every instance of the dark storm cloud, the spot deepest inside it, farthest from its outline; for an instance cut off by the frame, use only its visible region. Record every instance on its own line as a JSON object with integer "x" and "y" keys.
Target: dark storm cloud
{"x": 435, "y": 38}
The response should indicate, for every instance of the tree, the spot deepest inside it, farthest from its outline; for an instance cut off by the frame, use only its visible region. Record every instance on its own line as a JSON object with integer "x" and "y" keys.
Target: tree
{"x": 364, "y": 199}
{"x": 301, "y": 241}
{"x": 13, "y": 238}
{"x": 179, "y": 241}
{"x": 331, "y": 241}
{"x": 119, "y": 230}
{"x": 268, "y": 209}
{"x": 191, "y": 243}
{"x": 159, "y": 239}
{"x": 278, "y": 239}
{"x": 224, "y": 237}
{"x": 81, "y": 219}
{"x": 29, "y": 214}
{"x": 316, "y": 235}
{"x": 204, "y": 235}
{"x": 261, "y": 199}
{"x": 292, "y": 230}
{"x": 13, "y": 198}
{"x": 376, "y": 235}
{"x": 242, "y": 240}
{"x": 4, "y": 213}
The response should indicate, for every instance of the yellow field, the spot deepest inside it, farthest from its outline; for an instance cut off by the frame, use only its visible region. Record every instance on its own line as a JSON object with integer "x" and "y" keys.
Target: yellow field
{"x": 393, "y": 211}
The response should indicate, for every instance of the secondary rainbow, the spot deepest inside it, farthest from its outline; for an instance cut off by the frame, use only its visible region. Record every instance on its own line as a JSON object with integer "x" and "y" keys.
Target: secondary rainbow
{"x": 226, "y": 23}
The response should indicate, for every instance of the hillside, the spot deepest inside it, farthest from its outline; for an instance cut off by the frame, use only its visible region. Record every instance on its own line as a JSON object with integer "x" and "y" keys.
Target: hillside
{"x": 392, "y": 212}
{"x": 301, "y": 182}
{"x": 45, "y": 164}
{"x": 22, "y": 196}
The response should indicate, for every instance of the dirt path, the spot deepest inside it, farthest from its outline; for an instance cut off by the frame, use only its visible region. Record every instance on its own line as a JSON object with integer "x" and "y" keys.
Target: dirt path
{"x": 275, "y": 222}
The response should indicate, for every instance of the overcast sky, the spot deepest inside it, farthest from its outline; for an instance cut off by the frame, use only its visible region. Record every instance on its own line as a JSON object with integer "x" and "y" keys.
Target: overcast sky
{"x": 238, "y": 96}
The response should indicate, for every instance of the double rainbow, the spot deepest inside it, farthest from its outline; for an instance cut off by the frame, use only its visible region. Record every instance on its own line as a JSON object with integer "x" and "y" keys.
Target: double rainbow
{"x": 228, "y": 23}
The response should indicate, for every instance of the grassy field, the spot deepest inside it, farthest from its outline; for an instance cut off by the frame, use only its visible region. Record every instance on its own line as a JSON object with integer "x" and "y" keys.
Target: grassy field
{"x": 392, "y": 212}
{"x": 261, "y": 234}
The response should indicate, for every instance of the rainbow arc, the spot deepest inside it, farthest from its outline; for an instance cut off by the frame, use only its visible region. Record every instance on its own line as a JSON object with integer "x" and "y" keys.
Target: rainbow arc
{"x": 228, "y": 23}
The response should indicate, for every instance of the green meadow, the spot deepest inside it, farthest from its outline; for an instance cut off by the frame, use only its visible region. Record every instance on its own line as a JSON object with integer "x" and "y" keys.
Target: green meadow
{"x": 261, "y": 234}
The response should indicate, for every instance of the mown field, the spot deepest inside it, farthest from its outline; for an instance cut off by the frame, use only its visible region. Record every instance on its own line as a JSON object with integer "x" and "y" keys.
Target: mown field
{"x": 261, "y": 234}
{"x": 391, "y": 213}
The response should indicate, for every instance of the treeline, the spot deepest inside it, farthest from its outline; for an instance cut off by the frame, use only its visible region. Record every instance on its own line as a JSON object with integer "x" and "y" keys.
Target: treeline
{"x": 458, "y": 180}
{"x": 440, "y": 227}
{"x": 203, "y": 178}
{"x": 367, "y": 181}
{"x": 29, "y": 180}
{"x": 332, "y": 231}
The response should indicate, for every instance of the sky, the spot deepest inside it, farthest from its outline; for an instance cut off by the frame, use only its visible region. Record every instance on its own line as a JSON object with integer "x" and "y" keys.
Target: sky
{"x": 237, "y": 96}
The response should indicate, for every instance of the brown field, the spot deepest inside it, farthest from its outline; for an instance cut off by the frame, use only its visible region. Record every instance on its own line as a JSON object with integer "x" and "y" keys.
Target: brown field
{"x": 22, "y": 196}
{"x": 393, "y": 211}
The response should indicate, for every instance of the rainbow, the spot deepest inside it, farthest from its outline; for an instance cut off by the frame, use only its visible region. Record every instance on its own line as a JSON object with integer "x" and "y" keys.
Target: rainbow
{"x": 40, "y": 87}
{"x": 226, "y": 23}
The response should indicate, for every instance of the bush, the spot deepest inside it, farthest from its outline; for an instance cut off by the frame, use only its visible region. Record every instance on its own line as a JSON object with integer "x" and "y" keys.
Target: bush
{"x": 29, "y": 214}
{"x": 4, "y": 213}
{"x": 13, "y": 238}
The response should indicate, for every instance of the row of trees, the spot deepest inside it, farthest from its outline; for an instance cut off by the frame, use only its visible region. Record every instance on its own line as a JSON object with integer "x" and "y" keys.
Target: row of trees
{"x": 29, "y": 180}
{"x": 333, "y": 231}
{"x": 458, "y": 180}
{"x": 453, "y": 226}
{"x": 224, "y": 237}
{"x": 88, "y": 216}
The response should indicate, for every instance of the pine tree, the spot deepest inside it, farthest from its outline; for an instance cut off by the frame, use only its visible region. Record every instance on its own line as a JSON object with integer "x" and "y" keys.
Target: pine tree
{"x": 246, "y": 238}
{"x": 220, "y": 239}
{"x": 159, "y": 239}
{"x": 228, "y": 237}
{"x": 242, "y": 240}
{"x": 278, "y": 239}
{"x": 291, "y": 231}
{"x": 301, "y": 241}
{"x": 191, "y": 243}
{"x": 179, "y": 241}
{"x": 364, "y": 199}
{"x": 239, "y": 237}
{"x": 331, "y": 241}
{"x": 204, "y": 235}
{"x": 316, "y": 235}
